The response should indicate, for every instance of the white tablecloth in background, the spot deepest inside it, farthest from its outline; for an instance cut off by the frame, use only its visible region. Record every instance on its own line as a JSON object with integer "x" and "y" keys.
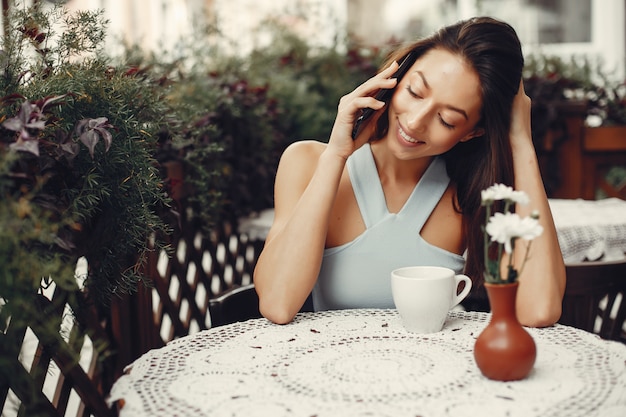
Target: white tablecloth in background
{"x": 257, "y": 225}
{"x": 590, "y": 230}
{"x": 587, "y": 230}
{"x": 363, "y": 363}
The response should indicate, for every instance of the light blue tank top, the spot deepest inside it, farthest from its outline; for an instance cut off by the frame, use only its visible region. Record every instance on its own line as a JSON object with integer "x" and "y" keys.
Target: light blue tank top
{"x": 357, "y": 274}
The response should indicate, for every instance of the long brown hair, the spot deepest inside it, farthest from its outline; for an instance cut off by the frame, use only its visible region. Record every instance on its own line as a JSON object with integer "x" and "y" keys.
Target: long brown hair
{"x": 493, "y": 50}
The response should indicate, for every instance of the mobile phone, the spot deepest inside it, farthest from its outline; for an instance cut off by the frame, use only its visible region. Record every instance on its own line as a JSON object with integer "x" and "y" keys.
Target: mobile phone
{"x": 385, "y": 93}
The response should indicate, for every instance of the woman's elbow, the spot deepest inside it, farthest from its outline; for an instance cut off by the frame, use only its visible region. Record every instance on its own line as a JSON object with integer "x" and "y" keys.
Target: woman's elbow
{"x": 275, "y": 312}
{"x": 540, "y": 316}
{"x": 272, "y": 306}
{"x": 544, "y": 309}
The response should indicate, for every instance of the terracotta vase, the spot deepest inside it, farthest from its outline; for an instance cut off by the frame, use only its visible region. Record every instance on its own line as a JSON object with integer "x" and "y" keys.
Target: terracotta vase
{"x": 504, "y": 351}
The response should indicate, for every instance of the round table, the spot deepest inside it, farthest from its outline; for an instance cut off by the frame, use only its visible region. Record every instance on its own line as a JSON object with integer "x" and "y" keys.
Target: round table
{"x": 364, "y": 363}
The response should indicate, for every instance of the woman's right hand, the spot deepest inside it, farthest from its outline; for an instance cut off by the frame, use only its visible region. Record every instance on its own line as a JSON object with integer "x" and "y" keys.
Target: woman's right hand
{"x": 341, "y": 142}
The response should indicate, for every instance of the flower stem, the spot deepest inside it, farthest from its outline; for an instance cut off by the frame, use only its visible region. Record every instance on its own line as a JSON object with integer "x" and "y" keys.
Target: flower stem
{"x": 486, "y": 240}
{"x": 526, "y": 257}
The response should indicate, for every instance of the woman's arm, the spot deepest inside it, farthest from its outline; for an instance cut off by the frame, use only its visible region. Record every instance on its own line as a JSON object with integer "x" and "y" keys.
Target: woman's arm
{"x": 306, "y": 185}
{"x": 542, "y": 281}
{"x": 286, "y": 271}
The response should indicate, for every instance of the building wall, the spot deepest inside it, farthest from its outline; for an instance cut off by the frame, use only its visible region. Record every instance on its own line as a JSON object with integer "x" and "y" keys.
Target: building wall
{"x": 152, "y": 24}
{"x": 159, "y": 24}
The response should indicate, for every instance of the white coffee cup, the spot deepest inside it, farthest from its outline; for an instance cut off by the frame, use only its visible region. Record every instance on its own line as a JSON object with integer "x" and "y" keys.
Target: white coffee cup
{"x": 423, "y": 295}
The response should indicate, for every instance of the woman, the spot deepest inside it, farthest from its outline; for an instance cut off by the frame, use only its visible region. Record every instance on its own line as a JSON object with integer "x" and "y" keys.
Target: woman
{"x": 406, "y": 191}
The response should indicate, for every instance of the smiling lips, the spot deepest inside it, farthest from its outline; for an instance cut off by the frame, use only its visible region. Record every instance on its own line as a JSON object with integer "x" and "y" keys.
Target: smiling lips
{"x": 406, "y": 136}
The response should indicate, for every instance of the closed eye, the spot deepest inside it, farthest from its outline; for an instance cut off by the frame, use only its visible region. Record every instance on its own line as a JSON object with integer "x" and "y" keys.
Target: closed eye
{"x": 412, "y": 93}
{"x": 446, "y": 125}
{"x": 443, "y": 122}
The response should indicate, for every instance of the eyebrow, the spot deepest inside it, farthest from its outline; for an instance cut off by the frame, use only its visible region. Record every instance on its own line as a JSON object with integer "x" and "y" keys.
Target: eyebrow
{"x": 456, "y": 109}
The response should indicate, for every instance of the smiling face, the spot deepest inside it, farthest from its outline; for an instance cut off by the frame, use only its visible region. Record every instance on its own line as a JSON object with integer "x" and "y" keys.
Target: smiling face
{"x": 436, "y": 105}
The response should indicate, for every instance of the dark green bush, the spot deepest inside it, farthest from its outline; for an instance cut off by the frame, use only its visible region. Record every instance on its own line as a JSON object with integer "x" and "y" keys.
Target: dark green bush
{"x": 77, "y": 141}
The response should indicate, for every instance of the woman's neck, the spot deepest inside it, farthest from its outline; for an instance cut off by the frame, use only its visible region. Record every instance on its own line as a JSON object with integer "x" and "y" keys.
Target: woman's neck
{"x": 392, "y": 170}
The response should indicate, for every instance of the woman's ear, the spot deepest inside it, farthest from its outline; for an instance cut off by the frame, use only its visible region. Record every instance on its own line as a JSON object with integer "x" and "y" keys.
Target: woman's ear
{"x": 479, "y": 131}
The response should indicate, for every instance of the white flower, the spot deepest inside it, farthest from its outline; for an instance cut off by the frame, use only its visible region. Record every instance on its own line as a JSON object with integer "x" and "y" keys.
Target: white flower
{"x": 519, "y": 197}
{"x": 504, "y": 192}
{"x": 593, "y": 120}
{"x": 529, "y": 228}
{"x": 496, "y": 192}
{"x": 505, "y": 228}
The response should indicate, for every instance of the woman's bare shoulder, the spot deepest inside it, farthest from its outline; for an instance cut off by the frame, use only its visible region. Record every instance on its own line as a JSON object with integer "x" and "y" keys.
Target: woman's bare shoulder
{"x": 297, "y": 165}
{"x": 303, "y": 151}
{"x": 300, "y": 159}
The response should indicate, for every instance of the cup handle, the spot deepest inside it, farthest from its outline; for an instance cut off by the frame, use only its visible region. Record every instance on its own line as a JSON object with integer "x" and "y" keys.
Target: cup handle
{"x": 468, "y": 286}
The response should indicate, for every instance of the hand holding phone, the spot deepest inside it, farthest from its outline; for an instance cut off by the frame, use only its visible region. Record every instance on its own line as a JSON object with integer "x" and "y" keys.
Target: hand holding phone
{"x": 384, "y": 94}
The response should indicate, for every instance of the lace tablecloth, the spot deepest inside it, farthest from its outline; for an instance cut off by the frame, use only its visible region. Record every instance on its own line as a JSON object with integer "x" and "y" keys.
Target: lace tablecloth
{"x": 590, "y": 230}
{"x": 363, "y": 363}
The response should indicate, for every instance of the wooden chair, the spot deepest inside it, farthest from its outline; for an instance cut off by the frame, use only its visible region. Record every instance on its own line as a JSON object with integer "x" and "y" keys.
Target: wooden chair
{"x": 240, "y": 304}
{"x": 595, "y": 298}
{"x": 237, "y": 304}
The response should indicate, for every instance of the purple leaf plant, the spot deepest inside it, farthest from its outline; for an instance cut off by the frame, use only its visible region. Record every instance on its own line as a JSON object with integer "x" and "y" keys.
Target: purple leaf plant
{"x": 31, "y": 119}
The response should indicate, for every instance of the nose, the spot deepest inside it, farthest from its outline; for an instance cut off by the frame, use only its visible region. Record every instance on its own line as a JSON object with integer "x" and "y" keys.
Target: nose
{"x": 417, "y": 118}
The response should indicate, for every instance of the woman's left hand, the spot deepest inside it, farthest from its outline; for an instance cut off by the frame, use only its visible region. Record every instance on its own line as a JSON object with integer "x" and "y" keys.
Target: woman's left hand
{"x": 520, "y": 132}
